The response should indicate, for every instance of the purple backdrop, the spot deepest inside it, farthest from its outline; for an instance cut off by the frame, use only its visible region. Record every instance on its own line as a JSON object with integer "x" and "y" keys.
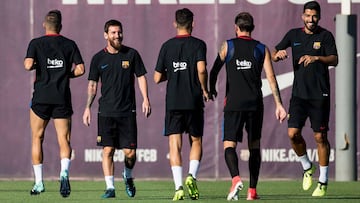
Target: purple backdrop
{"x": 147, "y": 24}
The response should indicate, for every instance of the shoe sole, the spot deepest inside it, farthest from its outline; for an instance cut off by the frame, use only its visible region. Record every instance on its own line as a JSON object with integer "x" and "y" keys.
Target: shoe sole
{"x": 33, "y": 192}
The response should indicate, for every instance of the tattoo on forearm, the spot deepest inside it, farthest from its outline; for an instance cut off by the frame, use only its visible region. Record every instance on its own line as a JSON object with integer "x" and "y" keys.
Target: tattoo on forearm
{"x": 90, "y": 100}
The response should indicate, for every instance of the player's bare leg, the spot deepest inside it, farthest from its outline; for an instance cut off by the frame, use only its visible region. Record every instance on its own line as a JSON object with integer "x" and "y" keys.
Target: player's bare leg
{"x": 323, "y": 147}
{"x": 195, "y": 158}
{"x": 297, "y": 141}
{"x": 108, "y": 170}
{"x": 107, "y": 163}
{"x": 299, "y": 146}
{"x": 38, "y": 126}
{"x": 175, "y": 145}
{"x": 63, "y": 130}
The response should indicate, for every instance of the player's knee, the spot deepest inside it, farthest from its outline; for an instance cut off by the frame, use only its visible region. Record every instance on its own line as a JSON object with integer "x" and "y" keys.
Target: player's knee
{"x": 296, "y": 138}
{"x": 321, "y": 138}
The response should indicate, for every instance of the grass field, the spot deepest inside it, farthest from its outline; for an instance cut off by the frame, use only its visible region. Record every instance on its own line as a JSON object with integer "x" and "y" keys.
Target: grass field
{"x": 162, "y": 191}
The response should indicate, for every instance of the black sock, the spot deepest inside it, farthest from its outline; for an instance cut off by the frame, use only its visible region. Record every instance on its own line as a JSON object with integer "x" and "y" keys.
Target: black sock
{"x": 254, "y": 167}
{"x": 130, "y": 162}
{"x": 232, "y": 161}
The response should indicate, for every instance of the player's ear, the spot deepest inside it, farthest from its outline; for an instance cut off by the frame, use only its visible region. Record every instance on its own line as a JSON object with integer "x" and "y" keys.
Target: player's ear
{"x": 175, "y": 24}
{"x": 236, "y": 28}
{"x": 106, "y": 35}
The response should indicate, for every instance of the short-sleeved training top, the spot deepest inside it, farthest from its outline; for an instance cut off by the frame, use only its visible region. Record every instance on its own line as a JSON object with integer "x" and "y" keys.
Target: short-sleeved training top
{"x": 178, "y": 59}
{"x": 117, "y": 76}
{"x": 54, "y": 56}
{"x": 244, "y": 63}
{"x": 311, "y": 82}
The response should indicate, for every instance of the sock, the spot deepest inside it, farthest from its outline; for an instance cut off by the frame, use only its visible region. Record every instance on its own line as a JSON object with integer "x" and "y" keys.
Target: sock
{"x": 254, "y": 167}
{"x": 65, "y": 164}
{"x": 194, "y": 167}
{"x": 323, "y": 177}
{"x": 127, "y": 172}
{"x": 305, "y": 162}
{"x": 38, "y": 173}
{"x": 235, "y": 179}
{"x": 252, "y": 190}
{"x": 130, "y": 162}
{"x": 232, "y": 161}
{"x": 177, "y": 176}
{"x": 109, "y": 180}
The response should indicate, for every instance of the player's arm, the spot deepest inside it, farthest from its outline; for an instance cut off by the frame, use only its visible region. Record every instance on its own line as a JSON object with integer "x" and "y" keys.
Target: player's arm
{"x": 92, "y": 89}
{"x": 146, "y": 108}
{"x": 159, "y": 77}
{"x": 280, "y": 112}
{"x": 218, "y": 63}
{"x": 203, "y": 78}
{"x": 331, "y": 60}
{"x": 78, "y": 71}
{"x": 29, "y": 64}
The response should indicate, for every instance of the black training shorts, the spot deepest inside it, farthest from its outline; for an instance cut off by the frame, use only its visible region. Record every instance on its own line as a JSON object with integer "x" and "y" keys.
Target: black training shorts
{"x": 47, "y": 111}
{"x": 180, "y": 121}
{"x": 118, "y": 132}
{"x": 235, "y": 121}
{"x": 318, "y": 112}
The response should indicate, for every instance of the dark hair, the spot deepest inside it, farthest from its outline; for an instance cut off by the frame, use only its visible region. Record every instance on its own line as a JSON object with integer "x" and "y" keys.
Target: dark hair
{"x": 313, "y": 5}
{"x": 112, "y": 23}
{"x": 53, "y": 20}
{"x": 184, "y": 18}
{"x": 245, "y": 22}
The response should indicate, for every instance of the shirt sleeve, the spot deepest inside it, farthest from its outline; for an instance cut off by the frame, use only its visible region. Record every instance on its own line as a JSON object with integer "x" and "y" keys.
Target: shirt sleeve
{"x": 160, "y": 66}
{"x": 77, "y": 56}
{"x": 94, "y": 73}
{"x": 201, "y": 54}
{"x": 31, "y": 51}
{"x": 330, "y": 45}
{"x": 285, "y": 42}
{"x": 139, "y": 65}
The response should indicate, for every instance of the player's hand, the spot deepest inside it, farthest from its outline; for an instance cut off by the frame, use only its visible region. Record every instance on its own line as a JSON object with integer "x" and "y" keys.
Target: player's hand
{"x": 213, "y": 94}
{"x": 206, "y": 96}
{"x": 146, "y": 108}
{"x": 86, "y": 117}
{"x": 307, "y": 59}
{"x": 281, "y": 55}
{"x": 280, "y": 113}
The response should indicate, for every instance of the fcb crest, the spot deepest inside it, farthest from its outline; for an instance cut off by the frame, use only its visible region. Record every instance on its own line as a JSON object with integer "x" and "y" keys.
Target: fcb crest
{"x": 316, "y": 45}
{"x": 125, "y": 64}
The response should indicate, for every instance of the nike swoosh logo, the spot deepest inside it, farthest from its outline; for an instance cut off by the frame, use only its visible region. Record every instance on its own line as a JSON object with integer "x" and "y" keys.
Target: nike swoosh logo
{"x": 104, "y": 66}
{"x": 284, "y": 81}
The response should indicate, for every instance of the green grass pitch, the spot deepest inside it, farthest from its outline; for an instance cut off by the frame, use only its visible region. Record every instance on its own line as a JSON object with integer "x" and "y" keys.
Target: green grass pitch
{"x": 162, "y": 191}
